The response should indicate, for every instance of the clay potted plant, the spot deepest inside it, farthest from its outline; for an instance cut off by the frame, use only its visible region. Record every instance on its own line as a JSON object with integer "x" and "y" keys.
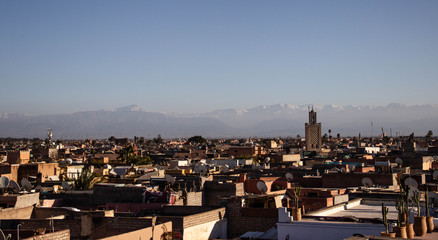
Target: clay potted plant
{"x": 386, "y": 223}
{"x": 429, "y": 219}
{"x": 296, "y": 210}
{"x": 400, "y": 231}
{"x": 420, "y": 227}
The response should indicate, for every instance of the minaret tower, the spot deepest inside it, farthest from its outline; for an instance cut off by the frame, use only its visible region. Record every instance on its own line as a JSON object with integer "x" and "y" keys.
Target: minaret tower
{"x": 313, "y": 133}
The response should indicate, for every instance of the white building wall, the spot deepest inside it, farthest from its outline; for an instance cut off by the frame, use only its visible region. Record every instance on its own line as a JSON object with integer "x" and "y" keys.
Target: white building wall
{"x": 209, "y": 230}
{"x": 325, "y": 230}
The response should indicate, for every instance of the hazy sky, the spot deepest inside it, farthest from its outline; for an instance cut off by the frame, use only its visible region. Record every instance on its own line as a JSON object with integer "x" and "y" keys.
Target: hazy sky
{"x": 197, "y": 56}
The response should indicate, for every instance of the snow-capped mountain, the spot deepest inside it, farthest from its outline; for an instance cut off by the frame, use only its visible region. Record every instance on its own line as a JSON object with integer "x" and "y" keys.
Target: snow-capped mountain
{"x": 265, "y": 120}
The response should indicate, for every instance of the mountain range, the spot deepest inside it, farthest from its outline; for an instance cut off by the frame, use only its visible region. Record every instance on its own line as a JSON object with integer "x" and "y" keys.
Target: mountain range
{"x": 262, "y": 121}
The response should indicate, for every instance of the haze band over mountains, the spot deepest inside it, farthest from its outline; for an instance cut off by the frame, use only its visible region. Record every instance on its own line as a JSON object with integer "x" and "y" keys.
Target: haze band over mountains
{"x": 262, "y": 121}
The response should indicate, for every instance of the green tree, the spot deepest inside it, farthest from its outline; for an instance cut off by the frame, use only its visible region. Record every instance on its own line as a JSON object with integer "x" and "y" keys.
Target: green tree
{"x": 127, "y": 154}
{"x": 146, "y": 160}
{"x": 429, "y": 135}
{"x": 87, "y": 179}
{"x": 197, "y": 140}
{"x": 158, "y": 139}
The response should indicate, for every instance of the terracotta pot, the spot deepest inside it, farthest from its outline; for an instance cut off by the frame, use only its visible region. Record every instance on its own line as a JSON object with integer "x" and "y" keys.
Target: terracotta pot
{"x": 409, "y": 230}
{"x": 400, "y": 232}
{"x": 420, "y": 227}
{"x": 385, "y": 234}
{"x": 429, "y": 223}
{"x": 296, "y": 214}
{"x": 403, "y": 217}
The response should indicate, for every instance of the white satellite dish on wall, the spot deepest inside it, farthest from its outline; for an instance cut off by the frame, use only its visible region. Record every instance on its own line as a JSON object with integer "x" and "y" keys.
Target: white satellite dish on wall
{"x": 351, "y": 167}
{"x": 4, "y": 182}
{"x": 170, "y": 179}
{"x": 411, "y": 182}
{"x": 367, "y": 182}
{"x": 26, "y": 184}
{"x": 202, "y": 170}
{"x": 65, "y": 185}
{"x": 399, "y": 161}
{"x": 15, "y": 186}
{"x": 224, "y": 169}
{"x": 261, "y": 186}
{"x": 289, "y": 177}
{"x": 435, "y": 174}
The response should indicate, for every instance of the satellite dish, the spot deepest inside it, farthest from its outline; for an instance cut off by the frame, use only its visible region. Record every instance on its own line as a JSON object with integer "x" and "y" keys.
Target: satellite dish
{"x": 232, "y": 157}
{"x": 26, "y": 184}
{"x": 170, "y": 179}
{"x": 399, "y": 161}
{"x": 412, "y": 190}
{"x": 15, "y": 187}
{"x": 343, "y": 170}
{"x": 202, "y": 170}
{"x": 432, "y": 195}
{"x": 268, "y": 159}
{"x": 435, "y": 174}
{"x": 224, "y": 169}
{"x": 261, "y": 186}
{"x": 367, "y": 182}
{"x": 411, "y": 182}
{"x": 351, "y": 168}
{"x": 4, "y": 182}
{"x": 65, "y": 185}
{"x": 69, "y": 161}
{"x": 289, "y": 177}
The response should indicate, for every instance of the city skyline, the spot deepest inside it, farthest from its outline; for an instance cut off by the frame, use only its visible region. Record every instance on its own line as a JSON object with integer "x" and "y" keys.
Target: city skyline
{"x": 198, "y": 56}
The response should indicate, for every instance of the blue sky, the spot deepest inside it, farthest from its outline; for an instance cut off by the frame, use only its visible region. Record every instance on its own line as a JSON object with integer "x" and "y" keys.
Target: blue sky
{"x": 197, "y": 56}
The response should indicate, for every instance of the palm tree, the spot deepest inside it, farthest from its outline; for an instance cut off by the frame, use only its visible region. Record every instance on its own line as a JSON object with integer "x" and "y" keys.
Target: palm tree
{"x": 87, "y": 179}
{"x": 127, "y": 154}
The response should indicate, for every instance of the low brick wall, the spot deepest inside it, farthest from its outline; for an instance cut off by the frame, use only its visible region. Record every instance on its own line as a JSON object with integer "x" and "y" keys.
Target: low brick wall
{"x": 59, "y": 235}
{"x": 239, "y": 224}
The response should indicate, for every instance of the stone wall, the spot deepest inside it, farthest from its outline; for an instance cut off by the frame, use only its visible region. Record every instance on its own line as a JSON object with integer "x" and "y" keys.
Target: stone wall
{"x": 238, "y": 223}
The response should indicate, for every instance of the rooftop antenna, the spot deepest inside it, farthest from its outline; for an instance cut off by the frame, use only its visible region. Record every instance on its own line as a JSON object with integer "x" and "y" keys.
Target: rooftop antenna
{"x": 411, "y": 182}
{"x": 435, "y": 174}
{"x": 224, "y": 169}
{"x": 170, "y": 179}
{"x": 367, "y": 182}
{"x": 289, "y": 177}
{"x": 399, "y": 161}
{"x": 15, "y": 186}
{"x": 261, "y": 186}
{"x": 65, "y": 185}
{"x": 26, "y": 184}
{"x": 4, "y": 183}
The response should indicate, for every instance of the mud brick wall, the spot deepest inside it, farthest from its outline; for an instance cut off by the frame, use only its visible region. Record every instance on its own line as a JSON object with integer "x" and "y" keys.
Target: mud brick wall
{"x": 239, "y": 224}
{"x": 59, "y": 235}
{"x": 214, "y": 190}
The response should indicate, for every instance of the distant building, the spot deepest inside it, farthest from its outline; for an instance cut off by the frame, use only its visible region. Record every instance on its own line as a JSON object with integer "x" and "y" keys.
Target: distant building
{"x": 313, "y": 133}
{"x": 18, "y": 156}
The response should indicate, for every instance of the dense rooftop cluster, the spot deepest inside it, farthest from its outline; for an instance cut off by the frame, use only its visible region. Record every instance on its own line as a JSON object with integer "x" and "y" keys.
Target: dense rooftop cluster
{"x": 197, "y": 188}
